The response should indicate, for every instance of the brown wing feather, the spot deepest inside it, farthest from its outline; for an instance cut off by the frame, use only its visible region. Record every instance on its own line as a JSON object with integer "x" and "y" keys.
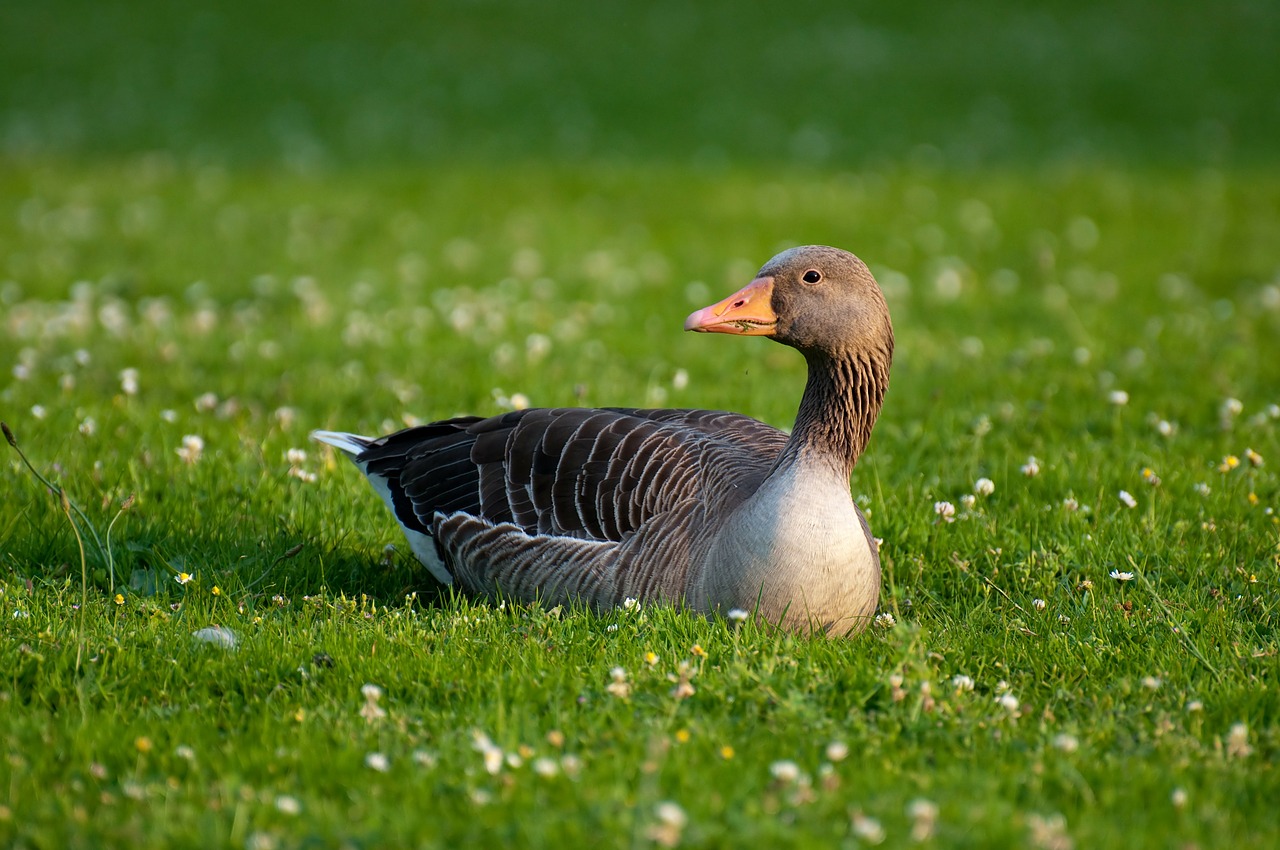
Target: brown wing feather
{"x": 595, "y": 474}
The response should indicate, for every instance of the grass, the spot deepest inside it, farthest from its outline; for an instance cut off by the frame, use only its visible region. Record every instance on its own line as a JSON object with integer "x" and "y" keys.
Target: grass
{"x": 264, "y": 280}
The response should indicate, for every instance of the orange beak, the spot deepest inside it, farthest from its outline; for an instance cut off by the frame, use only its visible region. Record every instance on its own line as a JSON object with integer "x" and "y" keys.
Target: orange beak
{"x": 747, "y": 312}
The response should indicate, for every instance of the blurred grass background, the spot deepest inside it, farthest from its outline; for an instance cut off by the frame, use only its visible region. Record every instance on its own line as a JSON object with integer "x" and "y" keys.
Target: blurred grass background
{"x": 704, "y": 85}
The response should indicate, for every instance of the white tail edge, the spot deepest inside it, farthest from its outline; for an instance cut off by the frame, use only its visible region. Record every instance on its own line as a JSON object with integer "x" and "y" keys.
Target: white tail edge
{"x": 350, "y": 444}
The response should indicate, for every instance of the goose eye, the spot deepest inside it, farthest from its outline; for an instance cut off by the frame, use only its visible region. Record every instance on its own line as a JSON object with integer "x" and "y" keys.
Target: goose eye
{"x": 812, "y": 276}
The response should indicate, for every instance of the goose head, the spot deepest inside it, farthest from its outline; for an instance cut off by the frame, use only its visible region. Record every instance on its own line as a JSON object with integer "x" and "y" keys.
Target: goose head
{"x": 817, "y": 299}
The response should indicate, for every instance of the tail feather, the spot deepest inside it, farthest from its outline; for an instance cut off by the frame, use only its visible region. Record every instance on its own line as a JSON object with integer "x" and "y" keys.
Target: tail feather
{"x": 352, "y": 445}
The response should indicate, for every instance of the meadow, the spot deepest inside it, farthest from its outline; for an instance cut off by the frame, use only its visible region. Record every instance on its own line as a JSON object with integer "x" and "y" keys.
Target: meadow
{"x": 222, "y": 229}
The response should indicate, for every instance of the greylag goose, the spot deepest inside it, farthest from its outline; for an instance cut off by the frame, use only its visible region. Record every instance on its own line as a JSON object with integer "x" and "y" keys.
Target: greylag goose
{"x": 711, "y": 510}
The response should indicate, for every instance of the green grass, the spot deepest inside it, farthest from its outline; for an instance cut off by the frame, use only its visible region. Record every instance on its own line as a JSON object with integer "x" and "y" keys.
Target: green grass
{"x": 280, "y": 229}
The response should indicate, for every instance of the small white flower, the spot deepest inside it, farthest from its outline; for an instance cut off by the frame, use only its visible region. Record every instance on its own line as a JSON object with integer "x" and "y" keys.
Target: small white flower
{"x": 737, "y": 615}
{"x": 1238, "y": 741}
{"x": 1178, "y": 798}
{"x": 968, "y": 500}
{"x": 183, "y": 578}
{"x": 785, "y": 772}
{"x": 192, "y": 449}
{"x": 886, "y": 620}
{"x": 296, "y": 457}
{"x": 1231, "y": 407}
{"x": 129, "y": 381}
{"x": 837, "y": 751}
{"x": 372, "y": 693}
{"x": 545, "y": 767}
{"x": 1009, "y": 702}
{"x": 1195, "y": 706}
{"x": 1038, "y": 604}
{"x": 1126, "y": 497}
{"x": 984, "y": 486}
{"x": 945, "y": 511}
{"x": 868, "y": 829}
{"x": 1066, "y": 743}
{"x": 519, "y": 401}
{"x": 962, "y": 683}
{"x": 38, "y": 411}
{"x": 170, "y": 416}
{"x": 288, "y": 805}
{"x": 1165, "y": 428}
{"x": 1031, "y": 468}
{"x": 680, "y": 379}
{"x": 1151, "y": 683}
{"x": 1121, "y": 576}
{"x": 89, "y": 426}
{"x": 206, "y": 402}
{"x": 378, "y": 762}
{"x": 1118, "y": 397}
{"x": 1070, "y": 504}
{"x": 631, "y": 604}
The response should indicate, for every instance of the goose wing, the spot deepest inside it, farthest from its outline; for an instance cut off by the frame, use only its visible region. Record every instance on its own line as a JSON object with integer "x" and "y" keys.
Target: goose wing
{"x": 592, "y": 474}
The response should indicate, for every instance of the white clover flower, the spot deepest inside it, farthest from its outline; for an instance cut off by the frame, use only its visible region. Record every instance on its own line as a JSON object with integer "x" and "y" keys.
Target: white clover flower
{"x": 170, "y": 416}
{"x": 680, "y": 379}
{"x": 868, "y": 829}
{"x": 1126, "y": 497}
{"x": 1070, "y": 504}
{"x": 206, "y": 402}
{"x": 1031, "y": 468}
{"x": 371, "y": 692}
{"x": 984, "y": 486}
{"x": 1009, "y": 702}
{"x": 945, "y": 511}
{"x": 968, "y": 500}
{"x": 89, "y": 426}
{"x": 1178, "y": 798}
{"x": 288, "y": 805}
{"x": 129, "y": 381}
{"x": 631, "y": 604}
{"x": 924, "y": 819}
{"x": 886, "y": 620}
{"x": 1038, "y": 604}
{"x": 1165, "y": 428}
{"x": 1118, "y": 397}
{"x": 296, "y": 457}
{"x": 962, "y": 683}
{"x": 837, "y": 751}
{"x": 1195, "y": 706}
{"x": 1065, "y": 742}
{"x": 1231, "y": 407}
{"x": 1151, "y": 683}
{"x": 192, "y": 449}
{"x": 545, "y": 767}
{"x": 1238, "y": 741}
{"x": 38, "y": 411}
{"x": 785, "y": 772}
{"x": 378, "y": 762}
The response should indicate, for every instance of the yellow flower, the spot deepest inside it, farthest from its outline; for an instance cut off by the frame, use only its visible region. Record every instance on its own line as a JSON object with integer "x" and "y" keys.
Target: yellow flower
{"x": 182, "y": 578}
{"x": 1229, "y": 463}
{"x": 1253, "y": 498}
{"x": 726, "y": 752}
{"x": 143, "y": 744}
{"x": 119, "y": 600}
{"x": 682, "y": 736}
{"x": 217, "y": 591}
{"x": 651, "y": 658}
{"x": 697, "y": 651}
